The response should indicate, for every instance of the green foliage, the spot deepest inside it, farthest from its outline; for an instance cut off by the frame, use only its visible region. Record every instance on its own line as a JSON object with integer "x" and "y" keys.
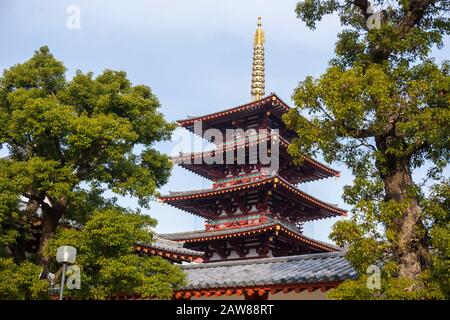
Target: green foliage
{"x": 62, "y": 134}
{"x": 69, "y": 141}
{"x": 368, "y": 246}
{"x": 9, "y": 213}
{"x": 108, "y": 262}
{"x": 437, "y": 210}
{"x": 383, "y": 108}
{"x": 18, "y": 282}
{"x": 391, "y": 289}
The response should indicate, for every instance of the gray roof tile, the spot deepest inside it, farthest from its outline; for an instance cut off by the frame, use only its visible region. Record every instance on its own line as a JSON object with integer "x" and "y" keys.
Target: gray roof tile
{"x": 163, "y": 244}
{"x": 204, "y": 233}
{"x": 301, "y": 269}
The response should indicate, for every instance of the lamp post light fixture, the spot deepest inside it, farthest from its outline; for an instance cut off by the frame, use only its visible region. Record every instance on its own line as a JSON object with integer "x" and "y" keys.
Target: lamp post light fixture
{"x": 65, "y": 255}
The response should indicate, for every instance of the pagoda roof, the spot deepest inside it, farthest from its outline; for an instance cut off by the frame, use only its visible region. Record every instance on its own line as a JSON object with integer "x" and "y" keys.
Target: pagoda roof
{"x": 168, "y": 249}
{"x": 276, "y": 224}
{"x": 259, "y": 276}
{"x": 178, "y": 199}
{"x": 277, "y": 106}
{"x": 187, "y": 161}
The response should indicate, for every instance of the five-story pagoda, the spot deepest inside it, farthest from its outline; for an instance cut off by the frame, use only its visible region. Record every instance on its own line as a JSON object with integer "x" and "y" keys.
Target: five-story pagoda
{"x": 253, "y": 209}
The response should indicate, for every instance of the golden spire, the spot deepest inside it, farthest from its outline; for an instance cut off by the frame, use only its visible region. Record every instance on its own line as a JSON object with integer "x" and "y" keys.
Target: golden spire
{"x": 258, "y": 82}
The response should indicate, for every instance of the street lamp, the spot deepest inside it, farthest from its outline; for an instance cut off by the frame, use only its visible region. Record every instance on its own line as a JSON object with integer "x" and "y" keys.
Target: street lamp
{"x": 65, "y": 255}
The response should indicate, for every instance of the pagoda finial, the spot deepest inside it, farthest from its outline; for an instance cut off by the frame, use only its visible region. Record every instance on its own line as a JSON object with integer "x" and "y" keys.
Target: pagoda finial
{"x": 258, "y": 79}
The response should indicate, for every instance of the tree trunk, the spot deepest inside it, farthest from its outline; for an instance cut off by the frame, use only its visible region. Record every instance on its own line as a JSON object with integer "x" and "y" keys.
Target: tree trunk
{"x": 399, "y": 187}
{"x": 17, "y": 251}
{"x": 51, "y": 215}
{"x": 397, "y": 184}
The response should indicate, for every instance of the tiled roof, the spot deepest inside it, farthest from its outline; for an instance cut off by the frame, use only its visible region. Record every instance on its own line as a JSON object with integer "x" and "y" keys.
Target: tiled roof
{"x": 202, "y": 234}
{"x": 188, "y": 160}
{"x": 188, "y": 193}
{"x": 184, "y": 195}
{"x": 167, "y": 245}
{"x": 301, "y": 269}
{"x": 273, "y": 98}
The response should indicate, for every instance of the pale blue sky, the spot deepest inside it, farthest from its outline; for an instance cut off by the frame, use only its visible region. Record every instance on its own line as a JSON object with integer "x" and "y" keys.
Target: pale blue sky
{"x": 195, "y": 55}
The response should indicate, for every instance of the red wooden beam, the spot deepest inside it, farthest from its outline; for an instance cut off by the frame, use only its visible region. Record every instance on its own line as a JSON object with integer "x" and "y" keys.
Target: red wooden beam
{"x": 258, "y": 290}
{"x": 178, "y": 295}
{"x": 274, "y": 291}
{"x": 287, "y": 290}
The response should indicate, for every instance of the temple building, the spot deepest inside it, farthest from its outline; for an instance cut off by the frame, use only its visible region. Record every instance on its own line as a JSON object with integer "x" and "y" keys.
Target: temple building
{"x": 253, "y": 243}
{"x": 169, "y": 250}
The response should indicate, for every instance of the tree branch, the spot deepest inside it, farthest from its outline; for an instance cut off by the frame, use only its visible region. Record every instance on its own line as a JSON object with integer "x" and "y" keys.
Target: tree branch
{"x": 359, "y": 133}
{"x": 413, "y": 15}
{"x": 363, "y": 5}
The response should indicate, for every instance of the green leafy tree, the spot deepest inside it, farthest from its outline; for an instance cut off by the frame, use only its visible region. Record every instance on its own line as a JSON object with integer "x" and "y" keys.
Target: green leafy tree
{"x": 20, "y": 282}
{"x": 108, "y": 262}
{"x": 68, "y": 142}
{"x": 382, "y": 108}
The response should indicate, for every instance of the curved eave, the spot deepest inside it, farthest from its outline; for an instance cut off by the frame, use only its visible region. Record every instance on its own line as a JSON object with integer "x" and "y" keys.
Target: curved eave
{"x": 205, "y": 173}
{"x": 187, "y": 257}
{"x": 245, "y": 107}
{"x": 324, "y": 205}
{"x": 188, "y": 161}
{"x": 275, "y": 227}
{"x": 274, "y": 180}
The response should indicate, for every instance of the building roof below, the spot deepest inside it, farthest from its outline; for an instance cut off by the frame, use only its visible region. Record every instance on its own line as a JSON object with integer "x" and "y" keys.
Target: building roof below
{"x": 169, "y": 249}
{"x": 317, "y": 268}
